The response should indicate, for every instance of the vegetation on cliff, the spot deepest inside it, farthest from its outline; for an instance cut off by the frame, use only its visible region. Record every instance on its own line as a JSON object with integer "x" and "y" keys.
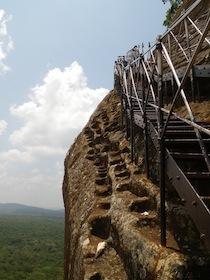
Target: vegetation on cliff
{"x": 175, "y": 4}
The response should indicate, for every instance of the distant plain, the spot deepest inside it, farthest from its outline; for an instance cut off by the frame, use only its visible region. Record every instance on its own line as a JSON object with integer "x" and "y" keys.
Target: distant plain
{"x": 31, "y": 245}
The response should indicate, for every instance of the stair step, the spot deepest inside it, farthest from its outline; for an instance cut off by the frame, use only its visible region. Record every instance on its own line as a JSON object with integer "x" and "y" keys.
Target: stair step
{"x": 206, "y": 200}
{"x": 174, "y": 134}
{"x": 205, "y": 197}
{"x": 178, "y": 155}
{"x": 198, "y": 175}
{"x": 183, "y": 146}
{"x": 185, "y": 140}
{"x": 180, "y": 131}
{"x": 173, "y": 126}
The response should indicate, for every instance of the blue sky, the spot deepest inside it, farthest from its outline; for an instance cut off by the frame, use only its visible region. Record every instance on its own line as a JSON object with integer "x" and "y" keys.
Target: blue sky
{"x": 56, "y": 65}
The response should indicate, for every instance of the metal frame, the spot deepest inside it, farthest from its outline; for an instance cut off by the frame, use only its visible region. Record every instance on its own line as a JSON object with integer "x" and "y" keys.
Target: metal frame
{"x": 145, "y": 75}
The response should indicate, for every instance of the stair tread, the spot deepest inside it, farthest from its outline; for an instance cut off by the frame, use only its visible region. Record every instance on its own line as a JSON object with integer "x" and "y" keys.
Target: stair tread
{"x": 187, "y": 155}
{"x": 205, "y": 197}
{"x": 198, "y": 175}
{"x": 186, "y": 140}
{"x": 184, "y": 131}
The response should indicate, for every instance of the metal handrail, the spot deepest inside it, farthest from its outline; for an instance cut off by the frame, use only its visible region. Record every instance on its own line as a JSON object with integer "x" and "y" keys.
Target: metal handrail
{"x": 170, "y": 64}
{"x": 180, "y": 46}
{"x": 134, "y": 87}
{"x": 180, "y": 85}
{"x": 197, "y": 29}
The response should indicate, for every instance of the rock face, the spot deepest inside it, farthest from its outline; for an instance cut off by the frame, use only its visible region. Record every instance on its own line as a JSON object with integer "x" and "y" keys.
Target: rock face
{"x": 112, "y": 211}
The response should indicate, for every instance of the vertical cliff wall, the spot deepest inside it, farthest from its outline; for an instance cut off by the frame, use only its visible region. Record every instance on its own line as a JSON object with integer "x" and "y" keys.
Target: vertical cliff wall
{"x": 112, "y": 211}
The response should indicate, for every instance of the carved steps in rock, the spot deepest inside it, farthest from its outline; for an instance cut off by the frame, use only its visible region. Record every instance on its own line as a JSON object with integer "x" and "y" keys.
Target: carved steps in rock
{"x": 144, "y": 210}
{"x": 125, "y": 174}
{"x": 97, "y": 247}
{"x": 107, "y": 266}
{"x": 125, "y": 149}
{"x": 90, "y": 155}
{"x": 98, "y": 131}
{"x": 140, "y": 204}
{"x": 88, "y": 132}
{"x": 115, "y": 160}
{"x": 105, "y": 148}
{"x": 101, "y": 160}
{"x": 100, "y": 259}
{"x": 123, "y": 186}
{"x": 102, "y": 174}
{"x": 101, "y": 181}
{"x": 95, "y": 125}
{"x": 148, "y": 218}
{"x": 103, "y": 190}
{"x": 103, "y": 204}
{"x": 102, "y": 168}
{"x": 120, "y": 167}
{"x": 100, "y": 225}
{"x": 112, "y": 127}
{"x": 104, "y": 115}
{"x": 97, "y": 162}
{"x": 98, "y": 139}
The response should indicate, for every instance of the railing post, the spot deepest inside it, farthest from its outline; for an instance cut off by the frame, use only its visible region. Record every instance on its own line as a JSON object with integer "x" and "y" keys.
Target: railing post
{"x": 190, "y": 55}
{"x": 126, "y": 101}
{"x": 145, "y": 132}
{"x": 122, "y": 109}
{"x": 120, "y": 93}
{"x": 126, "y": 123}
{"x": 161, "y": 143}
{"x": 131, "y": 120}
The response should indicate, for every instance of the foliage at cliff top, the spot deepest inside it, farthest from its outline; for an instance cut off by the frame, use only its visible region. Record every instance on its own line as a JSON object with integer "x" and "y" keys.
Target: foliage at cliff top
{"x": 175, "y": 4}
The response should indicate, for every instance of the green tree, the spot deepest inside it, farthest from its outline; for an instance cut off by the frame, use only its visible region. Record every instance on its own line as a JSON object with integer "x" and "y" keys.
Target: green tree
{"x": 175, "y": 4}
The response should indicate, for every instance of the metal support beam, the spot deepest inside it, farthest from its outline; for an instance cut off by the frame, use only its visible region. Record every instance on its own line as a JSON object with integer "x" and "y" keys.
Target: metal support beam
{"x": 161, "y": 144}
{"x": 131, "y": 120}
{"x": 190, "y": 55}
{"x": 143, "y": 106}
{"x": 145, "y": 132}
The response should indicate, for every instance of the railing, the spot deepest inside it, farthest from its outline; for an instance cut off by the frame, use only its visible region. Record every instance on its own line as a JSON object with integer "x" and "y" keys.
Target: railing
{"x": 144, "y": 77}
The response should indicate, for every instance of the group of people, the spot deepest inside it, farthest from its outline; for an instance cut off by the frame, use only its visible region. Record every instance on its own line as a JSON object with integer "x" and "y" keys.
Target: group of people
{"x": 129, "y": 59}
{"x": 132, "y": 55}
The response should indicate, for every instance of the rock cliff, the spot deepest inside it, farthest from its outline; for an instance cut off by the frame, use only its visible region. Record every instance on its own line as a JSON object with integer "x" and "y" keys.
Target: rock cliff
{"x": 112, "y": 211}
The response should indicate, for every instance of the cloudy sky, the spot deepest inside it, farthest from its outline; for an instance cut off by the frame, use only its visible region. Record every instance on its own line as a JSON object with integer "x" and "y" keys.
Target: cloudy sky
{"x": 56, "y": 65}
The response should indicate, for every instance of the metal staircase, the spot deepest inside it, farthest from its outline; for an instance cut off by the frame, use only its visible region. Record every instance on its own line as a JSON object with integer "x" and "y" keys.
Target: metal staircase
{"x": 153, "y": 85}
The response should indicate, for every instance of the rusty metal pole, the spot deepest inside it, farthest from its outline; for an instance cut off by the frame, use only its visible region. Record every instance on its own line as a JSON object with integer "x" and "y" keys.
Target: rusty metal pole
{"x": 161, "y": 143}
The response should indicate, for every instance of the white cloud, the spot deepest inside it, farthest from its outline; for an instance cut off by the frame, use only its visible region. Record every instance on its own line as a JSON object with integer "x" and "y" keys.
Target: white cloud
{"x": 56, "y": 111}
{"x": 40, "y": 188}
{"x": 3, "y": 126}
{"x": 6, "y": 43}
{"x": 15, "y": 155}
